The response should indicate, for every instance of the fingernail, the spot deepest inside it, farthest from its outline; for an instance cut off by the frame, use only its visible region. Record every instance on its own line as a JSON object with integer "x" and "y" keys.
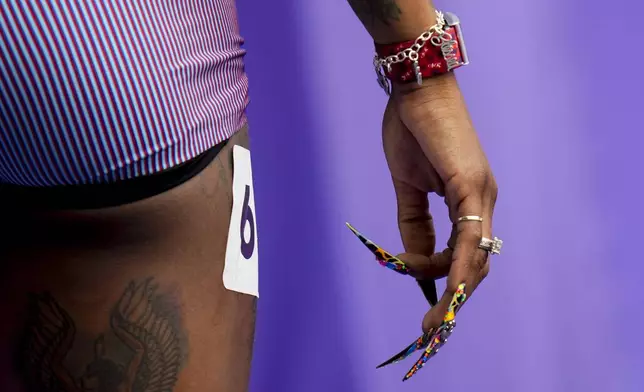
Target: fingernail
{"x": 383, "y": 257}
{"x": 428, "y": 287}
{"x": 436, "y": 341}
{"x": 429, "y": 352}
{"x": 419, "y": 344}
{"x": 457, "y": 301}
{"x": 442, "y": 333}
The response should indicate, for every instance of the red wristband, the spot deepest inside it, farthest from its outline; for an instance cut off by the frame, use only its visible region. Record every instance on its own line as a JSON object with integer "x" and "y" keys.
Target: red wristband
{"x": 433, "y": 60}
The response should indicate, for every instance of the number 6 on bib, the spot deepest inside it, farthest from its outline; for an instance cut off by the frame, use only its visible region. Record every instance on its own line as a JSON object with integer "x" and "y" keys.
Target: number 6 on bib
{"x": 241, "y": 271}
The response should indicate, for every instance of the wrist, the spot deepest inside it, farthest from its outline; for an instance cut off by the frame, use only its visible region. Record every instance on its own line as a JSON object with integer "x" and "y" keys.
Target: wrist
{"x": 434, "y": 87}
{"x": 437, "y": 97}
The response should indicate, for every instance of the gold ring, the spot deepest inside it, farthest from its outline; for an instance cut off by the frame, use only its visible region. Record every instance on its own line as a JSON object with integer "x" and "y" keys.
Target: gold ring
{"x": 470, "y": 218}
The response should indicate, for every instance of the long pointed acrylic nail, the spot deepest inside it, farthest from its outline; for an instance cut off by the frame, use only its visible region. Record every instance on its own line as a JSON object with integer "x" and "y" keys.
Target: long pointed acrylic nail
{"x": 383, "y": 257}
{"x": 428, "y": 287}
{"x": 419, "y": 344}
{"x": 458, "y": 299}
{"x": 444, "y": 331}
{"x": 437, "y": 340}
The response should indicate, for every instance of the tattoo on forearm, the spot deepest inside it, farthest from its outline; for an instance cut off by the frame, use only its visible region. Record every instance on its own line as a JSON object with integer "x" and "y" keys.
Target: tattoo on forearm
{"x": 372, "y": 11}
{"x": 141, "y": 352}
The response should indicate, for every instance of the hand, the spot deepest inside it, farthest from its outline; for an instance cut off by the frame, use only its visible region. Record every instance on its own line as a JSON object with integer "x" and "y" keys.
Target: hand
{"x": 431, "y": 147}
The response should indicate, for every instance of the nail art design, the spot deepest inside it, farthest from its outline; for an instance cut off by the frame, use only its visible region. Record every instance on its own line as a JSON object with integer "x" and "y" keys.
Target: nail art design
{"x": 458, "y": 299}
{"x": 442, "y": 333}
{"x": 383, "y": 257}
{"x": 434, "y": 339}
{"x": 419, "y": 344}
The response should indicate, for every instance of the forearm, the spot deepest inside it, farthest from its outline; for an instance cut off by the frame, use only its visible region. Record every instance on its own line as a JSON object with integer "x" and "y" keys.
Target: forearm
{"x": 394, "y": 20}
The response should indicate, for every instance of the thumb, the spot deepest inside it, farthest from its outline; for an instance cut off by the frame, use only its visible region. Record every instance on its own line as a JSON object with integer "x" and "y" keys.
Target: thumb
{"x": 433, "y": 267}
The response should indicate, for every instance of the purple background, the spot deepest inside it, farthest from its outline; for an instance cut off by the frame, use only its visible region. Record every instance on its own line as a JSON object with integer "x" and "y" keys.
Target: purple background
{"x": 560, "y": 119}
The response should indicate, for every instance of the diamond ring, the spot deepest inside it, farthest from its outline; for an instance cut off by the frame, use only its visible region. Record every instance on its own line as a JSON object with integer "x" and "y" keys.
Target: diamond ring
{"x": 491, "y": 245}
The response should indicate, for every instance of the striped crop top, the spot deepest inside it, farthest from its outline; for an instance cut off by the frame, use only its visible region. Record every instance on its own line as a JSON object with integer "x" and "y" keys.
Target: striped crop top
{"x": 98, "y": 91}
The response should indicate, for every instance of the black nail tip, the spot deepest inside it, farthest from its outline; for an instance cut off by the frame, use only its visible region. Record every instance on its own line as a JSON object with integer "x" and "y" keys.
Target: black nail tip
{"x": 389, "y": 362}
{"x": 383, "y": 365}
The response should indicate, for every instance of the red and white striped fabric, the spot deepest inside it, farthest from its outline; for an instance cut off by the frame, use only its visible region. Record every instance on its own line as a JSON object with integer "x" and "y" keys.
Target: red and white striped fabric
{"x": 102, "y": 90}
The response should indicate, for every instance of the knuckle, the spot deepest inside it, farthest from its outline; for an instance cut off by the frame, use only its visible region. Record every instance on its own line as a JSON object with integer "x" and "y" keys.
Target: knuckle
{"x": 475, "y": 182}
{"x": 479, "y": 178}
{"x": 465, "y": 183}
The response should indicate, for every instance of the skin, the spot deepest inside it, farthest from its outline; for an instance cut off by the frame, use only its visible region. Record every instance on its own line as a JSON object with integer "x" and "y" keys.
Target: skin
{"x": 431, "y": 147}
{"x": 101, "y": 299}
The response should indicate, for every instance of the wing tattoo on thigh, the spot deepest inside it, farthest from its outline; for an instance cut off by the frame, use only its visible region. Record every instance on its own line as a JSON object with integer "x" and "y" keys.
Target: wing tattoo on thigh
{"x": 150, "y": 336}
{"x": 49, "y": 336}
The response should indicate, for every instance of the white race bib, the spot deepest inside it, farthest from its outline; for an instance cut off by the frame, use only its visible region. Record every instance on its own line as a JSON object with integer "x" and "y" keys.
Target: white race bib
{"x": 241, "y": 271}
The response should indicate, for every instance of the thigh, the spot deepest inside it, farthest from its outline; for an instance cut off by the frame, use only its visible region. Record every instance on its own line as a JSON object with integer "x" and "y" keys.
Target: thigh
{"x": 128, "y": 298}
